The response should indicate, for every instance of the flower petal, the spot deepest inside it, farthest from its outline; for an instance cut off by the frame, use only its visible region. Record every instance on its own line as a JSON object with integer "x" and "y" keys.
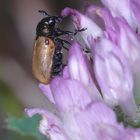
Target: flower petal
{"x": 66, "y": 72}
{"x": 95, "y": 13}
{"x": 129, "y": 42}
{"x": 95, "y": 123}
{"x": 117, "y": 10}
{"x": 47, "y": 91}
{"x": 114, "y": 76}
{"x": 131, "y": 12}
{"x": 118, "y": 31}
{"x": 131, "y": 134}
{"x": 135, "y": 6}
{"x": 79, "y": 70}
{"x": 109, "y": 67}
{"x": 69, "y": 94}
{"x": 81, "y": 21}
{"x": 50, "y": 125}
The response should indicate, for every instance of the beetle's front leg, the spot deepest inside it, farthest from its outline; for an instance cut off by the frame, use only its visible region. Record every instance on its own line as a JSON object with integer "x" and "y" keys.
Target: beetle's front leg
{"x": 61, "y": 42}
{"x": 79, "y": 30}
{"x": 60, "y": 32}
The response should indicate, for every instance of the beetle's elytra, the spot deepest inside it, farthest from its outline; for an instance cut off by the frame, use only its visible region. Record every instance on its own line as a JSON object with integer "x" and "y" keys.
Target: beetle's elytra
{"x": 42, "y": 61}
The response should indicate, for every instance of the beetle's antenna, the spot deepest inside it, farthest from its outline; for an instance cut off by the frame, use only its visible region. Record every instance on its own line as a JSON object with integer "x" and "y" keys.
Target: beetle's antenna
{"x": 43, "y": 12}
{"x": 57, "y": 18}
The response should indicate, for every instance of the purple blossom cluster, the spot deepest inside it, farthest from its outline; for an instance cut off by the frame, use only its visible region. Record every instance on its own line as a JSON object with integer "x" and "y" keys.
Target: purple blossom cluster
{"x": 93, "y": 83}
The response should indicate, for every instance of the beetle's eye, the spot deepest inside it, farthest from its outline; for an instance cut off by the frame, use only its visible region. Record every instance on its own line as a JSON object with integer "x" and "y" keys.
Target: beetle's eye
{"x": 46, "y": 23}
{"x": 50, "y": 21}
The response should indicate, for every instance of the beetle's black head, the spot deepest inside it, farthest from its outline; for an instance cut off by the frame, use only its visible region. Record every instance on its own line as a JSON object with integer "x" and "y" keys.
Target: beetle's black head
{"x": 48, "y": 21}
{"x": 47, "y": 25}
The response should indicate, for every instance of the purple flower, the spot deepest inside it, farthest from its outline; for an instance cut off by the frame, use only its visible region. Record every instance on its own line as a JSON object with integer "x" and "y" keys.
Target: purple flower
{"x": 90, "y": 123}
{"x": 129, "y": 42}
{"x": 100, "y": 125}
{"x": 114, "y": 76}
{"x": 70, "y": 98}
{"x": 78, "y": 115}
{"x": 50, "y": 125}
{"x": 129, "y": 9}
{"x": 79, "y": 68}
{"x": 112, "y": 58}
{"x": 131, "y": 134}
{"x": 93, "y": 83}
{"x": 119, "y": 32}
{"x": 82, "y": 21}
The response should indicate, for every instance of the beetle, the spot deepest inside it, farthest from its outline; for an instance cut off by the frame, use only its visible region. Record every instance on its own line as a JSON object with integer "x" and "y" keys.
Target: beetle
{"x": 47, "y": 50}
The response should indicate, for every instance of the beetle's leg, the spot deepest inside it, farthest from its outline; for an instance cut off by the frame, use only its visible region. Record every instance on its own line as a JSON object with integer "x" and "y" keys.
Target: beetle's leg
{"x": 57, "y": 62}
{"x": 65, "y": 41}
{"x": 61, "y": 41}
{"x": 60, "y": 32}
{"x": 79, "y": 30}
{"x": 65, "y": 48}
{"x": 56, "y": 18}
{"x": 87, "y": 50}
{"x": 43, "y": 12}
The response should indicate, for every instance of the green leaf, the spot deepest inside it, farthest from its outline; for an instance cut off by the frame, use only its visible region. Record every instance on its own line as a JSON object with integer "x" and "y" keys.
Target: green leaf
{"x": 8, "y": 102}
{"x": 119, "y": 113}
{"x": 26, "y": 126}
{"x": 12, "y": 135}
{"x": 127, "y": 122}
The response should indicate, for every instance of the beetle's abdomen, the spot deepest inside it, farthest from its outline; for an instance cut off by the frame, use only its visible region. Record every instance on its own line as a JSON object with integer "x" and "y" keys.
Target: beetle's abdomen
{"x": 57, "y": 62}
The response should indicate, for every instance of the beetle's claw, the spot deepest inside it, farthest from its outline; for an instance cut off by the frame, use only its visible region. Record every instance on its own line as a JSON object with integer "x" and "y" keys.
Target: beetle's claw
{"x": 79, "y": 30}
